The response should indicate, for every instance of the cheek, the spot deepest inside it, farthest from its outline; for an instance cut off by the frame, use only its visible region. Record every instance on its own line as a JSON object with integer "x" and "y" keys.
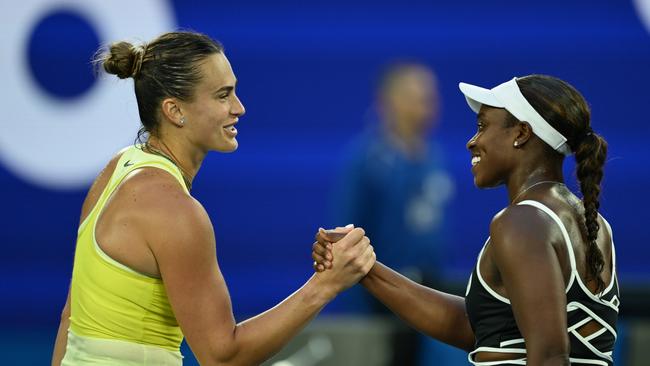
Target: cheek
{"x": 219, "y": 112}
{"x": 210, "y": 108}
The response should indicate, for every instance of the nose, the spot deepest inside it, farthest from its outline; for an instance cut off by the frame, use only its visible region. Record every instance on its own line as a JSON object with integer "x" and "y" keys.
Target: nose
{"x": 237, "y": 107}
{"x": 472, "y": 142}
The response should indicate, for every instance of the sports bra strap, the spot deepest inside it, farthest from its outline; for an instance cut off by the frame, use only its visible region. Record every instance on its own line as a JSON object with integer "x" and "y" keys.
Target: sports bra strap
{"x": 611, "y": 236}
{"x": 557, "y": 220}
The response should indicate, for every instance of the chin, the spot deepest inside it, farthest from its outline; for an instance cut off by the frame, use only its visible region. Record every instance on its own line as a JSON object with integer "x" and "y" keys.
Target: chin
{"x": 483, "y": 182}
{"x": 479, "y": 184}
{"x": 227, "y": 147}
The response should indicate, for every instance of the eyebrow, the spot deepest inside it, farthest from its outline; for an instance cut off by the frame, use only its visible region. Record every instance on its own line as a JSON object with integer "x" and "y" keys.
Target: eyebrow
{"x": 227, "y": 88}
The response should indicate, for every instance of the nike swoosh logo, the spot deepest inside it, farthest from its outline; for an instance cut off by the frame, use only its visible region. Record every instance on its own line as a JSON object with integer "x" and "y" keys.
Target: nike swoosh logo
{"x": 128, "y": 163}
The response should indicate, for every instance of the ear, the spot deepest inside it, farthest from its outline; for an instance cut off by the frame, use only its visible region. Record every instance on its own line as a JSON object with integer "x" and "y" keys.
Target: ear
{"x": 523, "y": 133}
{"x": 171, "y": 111}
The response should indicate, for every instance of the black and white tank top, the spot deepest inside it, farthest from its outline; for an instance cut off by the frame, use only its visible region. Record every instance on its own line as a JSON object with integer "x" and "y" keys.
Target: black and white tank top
{"x": 495, "y": 329}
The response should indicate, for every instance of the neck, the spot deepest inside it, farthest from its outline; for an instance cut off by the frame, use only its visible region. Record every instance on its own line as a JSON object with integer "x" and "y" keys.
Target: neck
{"x": 187, "y": 159}
{"x": 518, "y": 183}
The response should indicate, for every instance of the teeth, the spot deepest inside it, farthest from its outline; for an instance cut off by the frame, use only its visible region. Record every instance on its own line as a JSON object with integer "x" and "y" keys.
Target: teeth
{"x": 476, "y": 160}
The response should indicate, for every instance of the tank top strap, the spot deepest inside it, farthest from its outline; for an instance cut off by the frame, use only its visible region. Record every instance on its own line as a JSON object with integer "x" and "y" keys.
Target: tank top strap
{"x": 611, "y": 236}
{"x": 565, "y": 233}
{"x": 132, "y": 158}
{"x": 608, "y": 227}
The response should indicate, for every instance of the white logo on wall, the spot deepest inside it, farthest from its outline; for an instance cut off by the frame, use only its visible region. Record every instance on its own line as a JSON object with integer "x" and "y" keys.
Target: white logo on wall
{"x": 643, "y": 9}
{"x": 64, "y": 143}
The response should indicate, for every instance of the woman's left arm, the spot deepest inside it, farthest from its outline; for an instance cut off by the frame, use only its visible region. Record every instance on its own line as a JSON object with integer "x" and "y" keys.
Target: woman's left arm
{"x": 521, "y": 241}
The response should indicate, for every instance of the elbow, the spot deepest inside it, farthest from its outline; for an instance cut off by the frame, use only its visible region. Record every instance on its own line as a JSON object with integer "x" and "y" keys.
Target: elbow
{"x": 225, "y": 352}
{"x": 234, "y": 361}
{"x": 65, "y": 313}
{"x": 224, "y": 356}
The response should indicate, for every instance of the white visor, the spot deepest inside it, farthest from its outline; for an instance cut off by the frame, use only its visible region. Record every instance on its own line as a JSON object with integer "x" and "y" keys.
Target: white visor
{"x": 508, "y": 96}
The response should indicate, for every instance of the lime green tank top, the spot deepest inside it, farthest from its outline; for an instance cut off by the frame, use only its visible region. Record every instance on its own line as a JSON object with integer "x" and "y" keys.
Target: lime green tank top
{"x": 110, "y": 300}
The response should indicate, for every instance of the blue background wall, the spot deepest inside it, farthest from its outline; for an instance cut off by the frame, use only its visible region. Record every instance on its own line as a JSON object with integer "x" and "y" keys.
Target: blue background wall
{"x": 306, "y": 75}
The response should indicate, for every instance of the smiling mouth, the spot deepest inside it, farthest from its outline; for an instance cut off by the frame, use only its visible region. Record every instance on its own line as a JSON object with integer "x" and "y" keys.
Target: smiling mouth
{"x": 476, "y": 160}
{"x": 230, "y": 128}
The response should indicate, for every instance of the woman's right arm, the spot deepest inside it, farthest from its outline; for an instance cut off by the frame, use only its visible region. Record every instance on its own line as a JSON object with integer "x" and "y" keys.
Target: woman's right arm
{"x": 435, "y": 313}
{"x": 62, "y": 334}
{"x": 182, "y": 239}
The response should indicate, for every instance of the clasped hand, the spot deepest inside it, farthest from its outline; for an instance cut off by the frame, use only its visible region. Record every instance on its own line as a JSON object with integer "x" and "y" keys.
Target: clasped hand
{"x": 343, "y": 255}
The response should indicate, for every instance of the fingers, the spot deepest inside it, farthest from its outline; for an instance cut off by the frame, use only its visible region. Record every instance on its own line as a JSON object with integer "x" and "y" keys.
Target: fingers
{"x": 363, "y": 252}
{"x": 352, "y": 238}
{"x": 370, "y": 259}
{"x": 323, "y": 238}
{"x": 323, "y": 249}
{"x": 318, "y": 258}
{"x": 322, "y": 254}
{"x": 320, "y": 235}
{"x": 331, "y": 236}
{"x": 321, "y": 262}
{"x": 352, "y": 247}
{"x": 334, "y": 235}
{"x": 318, "y": 267}
{"x": 341, "y": 230}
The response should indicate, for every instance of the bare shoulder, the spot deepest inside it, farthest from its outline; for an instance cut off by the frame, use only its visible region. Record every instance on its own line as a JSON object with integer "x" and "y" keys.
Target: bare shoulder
{"x": 520, "y": 227}
{"x": 164, "y": 210}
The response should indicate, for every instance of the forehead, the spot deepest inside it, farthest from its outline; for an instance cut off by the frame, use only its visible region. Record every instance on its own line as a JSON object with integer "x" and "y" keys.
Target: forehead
{"x": 217, "y": 72}
{"x": 492, "y": 114}
{"x": 409, "y": 79}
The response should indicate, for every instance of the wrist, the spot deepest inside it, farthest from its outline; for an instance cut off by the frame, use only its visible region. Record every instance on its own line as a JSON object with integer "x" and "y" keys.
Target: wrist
{"x": 370, "y": 276}
{"x": 319, "y": 290}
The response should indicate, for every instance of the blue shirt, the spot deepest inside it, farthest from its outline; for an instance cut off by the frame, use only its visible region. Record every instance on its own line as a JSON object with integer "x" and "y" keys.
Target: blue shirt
{"x": 399, "y": 200}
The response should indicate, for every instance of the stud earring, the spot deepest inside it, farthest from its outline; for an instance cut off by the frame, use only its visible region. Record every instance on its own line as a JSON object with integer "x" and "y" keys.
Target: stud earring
{"x": 182, "y": 121}
{"x": 516, "y": 144}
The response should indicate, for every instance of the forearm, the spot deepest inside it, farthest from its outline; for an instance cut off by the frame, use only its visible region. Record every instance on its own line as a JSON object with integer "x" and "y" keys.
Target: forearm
{"x": 61, "y": 341}
{"x": 437, "y": 314}
{"x": 260, "y": 337}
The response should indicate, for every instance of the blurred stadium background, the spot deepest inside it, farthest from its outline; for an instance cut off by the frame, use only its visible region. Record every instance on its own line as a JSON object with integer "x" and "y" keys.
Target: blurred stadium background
{"x": 307, "y": 73}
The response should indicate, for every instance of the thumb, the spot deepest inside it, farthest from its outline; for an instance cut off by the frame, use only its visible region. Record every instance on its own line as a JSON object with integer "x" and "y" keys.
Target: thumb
{"x": 334, "y": 235}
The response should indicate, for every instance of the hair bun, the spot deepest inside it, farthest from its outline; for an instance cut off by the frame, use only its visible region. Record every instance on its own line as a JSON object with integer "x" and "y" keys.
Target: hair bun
{"x": 123, "y": 59}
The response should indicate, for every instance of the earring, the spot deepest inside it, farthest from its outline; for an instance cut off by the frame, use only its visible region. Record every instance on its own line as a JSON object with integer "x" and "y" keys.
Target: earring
{"x": 182, "y": 121}
{"x": 516, "y": 143}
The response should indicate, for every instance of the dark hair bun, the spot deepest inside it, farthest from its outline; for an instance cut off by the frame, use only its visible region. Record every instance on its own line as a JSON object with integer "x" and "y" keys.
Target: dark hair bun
{"x": 121, "y": 59}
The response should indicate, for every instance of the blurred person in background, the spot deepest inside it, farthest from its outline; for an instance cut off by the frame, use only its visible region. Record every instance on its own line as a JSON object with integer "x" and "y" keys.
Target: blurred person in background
{"x": 394, "y": 185}
{"x": 145, "y": 271}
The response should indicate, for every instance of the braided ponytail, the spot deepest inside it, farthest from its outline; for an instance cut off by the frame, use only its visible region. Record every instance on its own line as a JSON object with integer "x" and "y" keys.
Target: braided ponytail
{"x": 590, "y": 154}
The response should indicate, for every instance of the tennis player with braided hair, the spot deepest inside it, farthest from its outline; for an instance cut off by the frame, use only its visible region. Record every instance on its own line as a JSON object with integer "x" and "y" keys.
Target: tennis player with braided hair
{"x": 544, "y": 289}
{"x": 145, "y": 272}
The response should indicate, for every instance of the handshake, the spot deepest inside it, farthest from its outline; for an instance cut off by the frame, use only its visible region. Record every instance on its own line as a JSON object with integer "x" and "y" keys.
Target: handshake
{"x": 342, "y": 257}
